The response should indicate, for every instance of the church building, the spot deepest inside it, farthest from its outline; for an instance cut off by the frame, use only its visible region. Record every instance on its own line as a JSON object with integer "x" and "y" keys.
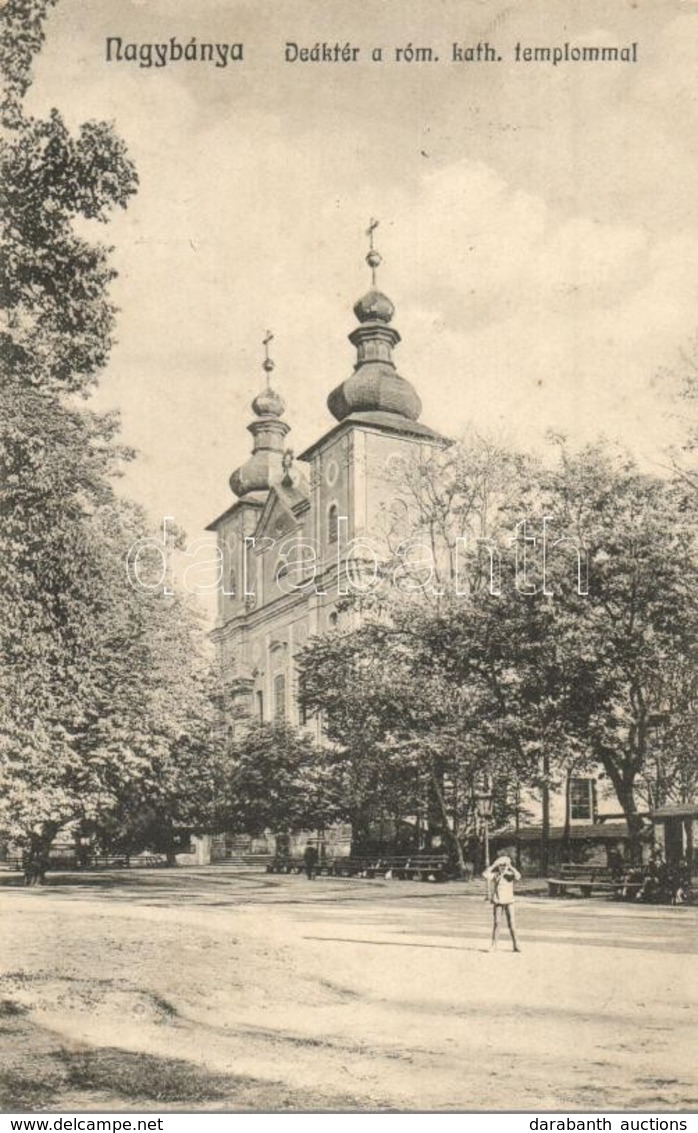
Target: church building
{"x": 296, "y": 525}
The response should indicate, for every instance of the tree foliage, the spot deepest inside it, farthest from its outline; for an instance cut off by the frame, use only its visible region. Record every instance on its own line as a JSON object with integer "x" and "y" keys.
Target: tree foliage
{"x": 557, "y": 661}
{"x": 103, "y": 698}
{"x": 278, "y": 779}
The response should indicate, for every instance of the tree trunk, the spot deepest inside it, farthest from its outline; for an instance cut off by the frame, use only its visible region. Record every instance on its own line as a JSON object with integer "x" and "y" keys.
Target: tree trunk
{"x": 545, "y": 826}
{"x": 626, "y": 798}
{"x": 35, "y": 858}
{"x": 624, "y": 786}
{"x": 517, "y": 826}
{"x": 359, "y": 833}
{"x": 458, "y": 849}
{"x": 567, "y": 830}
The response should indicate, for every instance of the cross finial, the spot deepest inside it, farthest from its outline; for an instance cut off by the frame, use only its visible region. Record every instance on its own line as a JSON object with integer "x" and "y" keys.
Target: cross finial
{"x": 267, "y": 364}
{"x": 373, "y": 258}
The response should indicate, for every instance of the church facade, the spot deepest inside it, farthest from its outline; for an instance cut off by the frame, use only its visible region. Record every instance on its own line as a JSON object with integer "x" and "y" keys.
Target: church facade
{"x": 288, "y": 541}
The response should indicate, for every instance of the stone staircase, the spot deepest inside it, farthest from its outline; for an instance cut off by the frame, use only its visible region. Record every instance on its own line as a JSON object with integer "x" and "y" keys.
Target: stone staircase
{"x": 238, "y": 860}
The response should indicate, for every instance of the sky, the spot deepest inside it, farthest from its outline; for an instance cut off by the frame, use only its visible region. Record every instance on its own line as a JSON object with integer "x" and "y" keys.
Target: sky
{"x": 538, "y": 224}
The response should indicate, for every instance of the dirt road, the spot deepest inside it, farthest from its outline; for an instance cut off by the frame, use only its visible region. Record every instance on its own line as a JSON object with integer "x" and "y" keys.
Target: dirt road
{"x": 211, "y": 989}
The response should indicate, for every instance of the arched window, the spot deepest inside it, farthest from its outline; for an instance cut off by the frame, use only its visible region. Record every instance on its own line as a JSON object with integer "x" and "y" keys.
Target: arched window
{"x": 333, "y": 619}
{"x": 332, "y": 524}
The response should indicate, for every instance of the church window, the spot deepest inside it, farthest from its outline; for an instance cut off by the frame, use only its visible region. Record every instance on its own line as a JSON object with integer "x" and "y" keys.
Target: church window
{"x": 332, "y": 524}
{"x": 280, "y": 697}
{"x": 260, "y": 707}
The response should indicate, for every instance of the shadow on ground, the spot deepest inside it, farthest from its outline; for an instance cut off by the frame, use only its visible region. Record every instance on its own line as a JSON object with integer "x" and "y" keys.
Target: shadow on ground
{"x": 41, "y": 1072}
{"x": 218, "y": 886}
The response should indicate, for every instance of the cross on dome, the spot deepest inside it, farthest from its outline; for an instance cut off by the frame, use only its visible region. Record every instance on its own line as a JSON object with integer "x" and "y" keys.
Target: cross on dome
{"x": 268, "y": 403}
{"x": 267, "y": 364}
{"x": 373, "y": 258}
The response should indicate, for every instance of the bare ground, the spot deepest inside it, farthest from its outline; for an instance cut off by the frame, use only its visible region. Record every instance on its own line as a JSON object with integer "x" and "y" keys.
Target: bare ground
{"x": 209, "y": 990}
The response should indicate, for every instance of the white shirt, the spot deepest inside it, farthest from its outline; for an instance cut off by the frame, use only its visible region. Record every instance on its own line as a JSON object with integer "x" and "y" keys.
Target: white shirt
{"x": 503, "y": 878}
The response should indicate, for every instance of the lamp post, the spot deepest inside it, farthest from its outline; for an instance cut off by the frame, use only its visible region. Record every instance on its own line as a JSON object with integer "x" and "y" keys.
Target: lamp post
{"x": 483, "y": 802}
{"x": 657, "y": 725}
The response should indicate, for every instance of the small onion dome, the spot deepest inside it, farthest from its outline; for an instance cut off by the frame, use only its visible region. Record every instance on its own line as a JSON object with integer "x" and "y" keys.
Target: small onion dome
{"x": 374, "y": 307}
{"x": 268, "y": 403}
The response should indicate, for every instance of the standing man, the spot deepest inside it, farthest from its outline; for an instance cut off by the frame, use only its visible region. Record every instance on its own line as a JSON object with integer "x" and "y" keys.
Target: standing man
{"x": 502, "y": 874}
{"x": 310, "y": 858}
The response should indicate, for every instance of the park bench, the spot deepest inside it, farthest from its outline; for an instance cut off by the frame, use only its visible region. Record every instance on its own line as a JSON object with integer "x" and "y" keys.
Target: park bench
{"x": 417, "y": 867}
{"x": 284, "y": 864}
{"x": 146, "y": 861}
{"x": 586, "y": 878}
{"x": 405, "y": 867}
{"x": 108, "y": 861}
{"x": 69, "y": 862}
{"x": 14, "y": 862}
{"x": 288, "y": 863}
{"x": 353, "y": 867}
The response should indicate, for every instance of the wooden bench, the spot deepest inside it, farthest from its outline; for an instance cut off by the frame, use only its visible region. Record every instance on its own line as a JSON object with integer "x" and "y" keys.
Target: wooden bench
{"x": 287, "y": 863}
{"x": 145, "y": 861}
{"x": 12, "y": 863}
{"x": 107, "y": 861}
{"x": 64, "y": 862}
{"x": 370, "y": 866}
{"x": 406, "y": 867}
{"x": 283, "y": 863}
{"x": 586, "y": 878}
{"x": 353, "y": 867}
{"x": 427, "y": 867}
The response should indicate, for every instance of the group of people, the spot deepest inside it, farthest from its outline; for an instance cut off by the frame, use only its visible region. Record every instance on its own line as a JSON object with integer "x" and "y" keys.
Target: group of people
{"x": 656, "y": 881}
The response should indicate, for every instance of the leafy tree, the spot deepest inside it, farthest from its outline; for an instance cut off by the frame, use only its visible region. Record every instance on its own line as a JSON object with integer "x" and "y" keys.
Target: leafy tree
{"x": 637, "y": 629}
{"x": 548, "y": 674}
{"x": 100, "y": 681}
{"x": 277, "y": 779}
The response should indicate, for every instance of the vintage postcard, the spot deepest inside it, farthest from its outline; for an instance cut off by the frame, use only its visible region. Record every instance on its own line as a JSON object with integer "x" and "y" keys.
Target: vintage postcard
{"x": 347, "y": 742}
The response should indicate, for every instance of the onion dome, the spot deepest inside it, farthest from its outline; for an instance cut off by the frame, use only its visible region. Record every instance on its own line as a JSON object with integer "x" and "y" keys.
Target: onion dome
{"x": 268, "y": 403}
{"x": 374, "y": 307}
{"x": 375, "y": 386}
{"x": 265, "y": 466}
